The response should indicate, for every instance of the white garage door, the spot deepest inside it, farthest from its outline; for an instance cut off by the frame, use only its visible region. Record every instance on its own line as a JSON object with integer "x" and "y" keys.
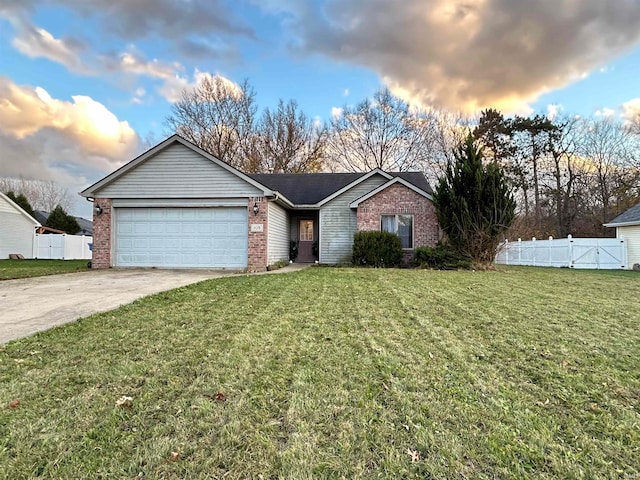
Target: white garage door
{"x": 181, "y": 237}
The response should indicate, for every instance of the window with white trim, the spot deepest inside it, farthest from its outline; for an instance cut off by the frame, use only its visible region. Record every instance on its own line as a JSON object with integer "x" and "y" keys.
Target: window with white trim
{"x": 401, "y": 225}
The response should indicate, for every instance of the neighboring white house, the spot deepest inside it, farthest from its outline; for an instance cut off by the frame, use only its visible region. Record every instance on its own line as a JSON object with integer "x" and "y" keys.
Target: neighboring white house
{"x": 627, "y": 225}
{"x": 17, "y": 229}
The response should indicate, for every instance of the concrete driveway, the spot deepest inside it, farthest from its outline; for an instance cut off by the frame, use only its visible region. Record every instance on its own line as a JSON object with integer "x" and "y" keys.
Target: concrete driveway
{"x": 29, "y": 305}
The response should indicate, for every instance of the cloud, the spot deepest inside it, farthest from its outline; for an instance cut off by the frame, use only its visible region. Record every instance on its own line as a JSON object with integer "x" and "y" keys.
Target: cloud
{"x": 631, "y": 110}
{"x": 605, "y": 112}
{"x": 50, "y": 139}
{"x": 139, "y": 19}
{"x": 336, "y": 112}
{"x": 469, "y": 55}
{"x": 36, "y": 42}
{"x": 553, "y": 109}
{"x": 173, "y": 88}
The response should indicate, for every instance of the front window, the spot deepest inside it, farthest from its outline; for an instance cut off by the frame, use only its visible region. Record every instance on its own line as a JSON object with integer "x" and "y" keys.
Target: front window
{"x": 306, "y": 230}
{"x": 401, "y": 225}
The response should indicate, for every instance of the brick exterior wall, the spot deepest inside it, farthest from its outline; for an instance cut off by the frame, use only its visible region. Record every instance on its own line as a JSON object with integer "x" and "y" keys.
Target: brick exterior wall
{"x": 101, "y": 253}
{"x": 257, "y": 261}
{"x": 398, "y": 199}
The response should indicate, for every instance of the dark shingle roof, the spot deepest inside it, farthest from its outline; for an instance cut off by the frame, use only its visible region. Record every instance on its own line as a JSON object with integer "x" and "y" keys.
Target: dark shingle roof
{"x": 86, "y": 226}
{"x": 631, "y": 215}
{"x": 311, "y": 188}
{"x": 416, "y": 178}
{"x": 40, "y": 216}
{"x": 306, "y": 188}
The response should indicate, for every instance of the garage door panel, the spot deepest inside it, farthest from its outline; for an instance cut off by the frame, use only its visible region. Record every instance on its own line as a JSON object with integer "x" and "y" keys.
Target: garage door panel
{"x": 141, "y": 228}
{"x": 181, "y": 237}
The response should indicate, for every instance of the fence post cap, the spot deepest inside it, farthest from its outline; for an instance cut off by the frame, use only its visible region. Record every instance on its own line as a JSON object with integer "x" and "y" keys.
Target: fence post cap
{"x": 569, "y": 237}
{"x": 533, "y": 239}
{"x": 550, "y": 237}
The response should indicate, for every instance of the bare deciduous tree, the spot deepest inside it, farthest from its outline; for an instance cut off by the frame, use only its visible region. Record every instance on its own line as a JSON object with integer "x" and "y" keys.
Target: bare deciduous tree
{"x": 606, "y": 144}
{"x": 286, "y": 141}
{"x": 218, "y": 116}
{"x": 380, "y": 133}
{"x": 43, "y": 195}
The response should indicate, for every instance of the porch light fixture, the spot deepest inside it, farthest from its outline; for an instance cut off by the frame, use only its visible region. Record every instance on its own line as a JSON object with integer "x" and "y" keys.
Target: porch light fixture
{"x": 256, "y": 208}
{"x": 98, "y": 210}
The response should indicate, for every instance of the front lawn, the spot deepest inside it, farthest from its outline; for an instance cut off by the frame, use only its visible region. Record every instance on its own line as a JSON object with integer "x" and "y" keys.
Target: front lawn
{"x": 338, "y": 373}
{"x": 10, "y": 269}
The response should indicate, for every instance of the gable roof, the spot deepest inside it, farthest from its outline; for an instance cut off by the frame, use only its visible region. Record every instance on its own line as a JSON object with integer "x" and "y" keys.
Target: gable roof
{"x": 19, "y": 209}
{"x": 90, "y": 191}
{"x": 318, "y": 188}
{"x": 629, "y": 217}
{"x": 306, "y": 188}
{"x": 384, "y": 186}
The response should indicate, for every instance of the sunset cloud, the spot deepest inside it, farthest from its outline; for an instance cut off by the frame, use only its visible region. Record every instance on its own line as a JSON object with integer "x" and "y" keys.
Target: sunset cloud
{"x": 46, "y": 138}
{"x": 468, "y": 55}
{"x": 35, "y": 42}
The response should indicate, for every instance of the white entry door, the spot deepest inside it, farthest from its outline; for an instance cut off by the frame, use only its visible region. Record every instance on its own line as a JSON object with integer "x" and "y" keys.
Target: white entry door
{"x": 181, "y": 237}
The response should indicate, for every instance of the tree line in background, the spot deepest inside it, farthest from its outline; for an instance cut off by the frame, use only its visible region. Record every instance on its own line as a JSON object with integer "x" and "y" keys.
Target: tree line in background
{"x": 569, "y": 175}
{"x": 45, "y": 196}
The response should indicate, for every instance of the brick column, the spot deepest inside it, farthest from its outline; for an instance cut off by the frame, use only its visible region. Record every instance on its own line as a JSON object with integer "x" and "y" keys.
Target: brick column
{"x": 101, "y": 253}
{"x": 257, "y": 261}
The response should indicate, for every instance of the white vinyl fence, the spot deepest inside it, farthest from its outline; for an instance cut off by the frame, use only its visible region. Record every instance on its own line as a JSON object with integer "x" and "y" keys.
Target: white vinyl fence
{"x": 595, "y": 253}
{"x": 62, "y": 247}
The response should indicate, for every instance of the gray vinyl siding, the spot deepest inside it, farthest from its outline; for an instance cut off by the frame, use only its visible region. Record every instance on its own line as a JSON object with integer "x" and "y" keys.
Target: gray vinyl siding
{"x": 338, "y": 222}
{"x": 178, "y": 172}
{"x": 277, "y": 234}
{"x": 16, "y": 232}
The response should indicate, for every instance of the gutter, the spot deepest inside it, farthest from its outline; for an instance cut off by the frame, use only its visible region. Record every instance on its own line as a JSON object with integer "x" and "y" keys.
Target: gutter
{"x": 621, "y": 224}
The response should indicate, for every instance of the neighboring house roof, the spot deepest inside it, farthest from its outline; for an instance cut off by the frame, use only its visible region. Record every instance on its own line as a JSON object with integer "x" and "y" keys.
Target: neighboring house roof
{"x": 86, "y": 226}
{"x": 41, "y": 216}
{"x": 19, "y": 209}
{"x": 313, "y": 188}
{"x": 629, "y": 217}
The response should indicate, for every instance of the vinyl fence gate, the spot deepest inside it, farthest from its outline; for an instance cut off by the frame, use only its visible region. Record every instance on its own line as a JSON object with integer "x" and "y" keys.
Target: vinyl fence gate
{"x": 593, "y": 253}
{"x": 61, "y": 247}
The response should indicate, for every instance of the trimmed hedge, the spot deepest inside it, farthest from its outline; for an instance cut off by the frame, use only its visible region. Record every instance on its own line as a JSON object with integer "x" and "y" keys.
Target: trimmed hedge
{"x": 441, "y": 257}
{"x": 376, "y": 249}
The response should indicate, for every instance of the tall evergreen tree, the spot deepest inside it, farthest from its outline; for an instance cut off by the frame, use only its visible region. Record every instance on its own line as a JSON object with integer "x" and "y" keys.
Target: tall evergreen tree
{"x": 474, "y": 203}
{"x": 61, "y": 220}
{"x": 21, "y": 201}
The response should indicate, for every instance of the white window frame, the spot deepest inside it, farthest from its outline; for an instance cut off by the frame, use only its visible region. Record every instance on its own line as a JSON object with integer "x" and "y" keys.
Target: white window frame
{"x": 396, "y": 215}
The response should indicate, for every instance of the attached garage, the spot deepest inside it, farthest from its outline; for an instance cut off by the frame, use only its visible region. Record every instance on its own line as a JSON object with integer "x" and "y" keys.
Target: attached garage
{"x": 176, "y": 206}
{"x": 181, "y": 237}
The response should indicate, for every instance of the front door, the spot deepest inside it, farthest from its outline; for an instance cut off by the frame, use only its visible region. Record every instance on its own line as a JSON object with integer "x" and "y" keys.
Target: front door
{"x": 305, "y": 242}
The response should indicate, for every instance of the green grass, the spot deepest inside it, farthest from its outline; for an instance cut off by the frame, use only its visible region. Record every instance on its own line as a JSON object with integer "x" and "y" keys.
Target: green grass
{"x": 338, "y": 373}
{"x": 10, "y": 269}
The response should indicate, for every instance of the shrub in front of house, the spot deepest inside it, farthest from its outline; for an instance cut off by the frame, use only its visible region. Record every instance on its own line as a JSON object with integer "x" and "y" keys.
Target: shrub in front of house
{"x": 441, "y": 257}
{"x": 376, "y": 249}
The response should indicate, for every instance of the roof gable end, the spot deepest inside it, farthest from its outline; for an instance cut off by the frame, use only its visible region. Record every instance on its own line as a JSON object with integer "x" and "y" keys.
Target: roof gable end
{"x": 19, "y": 209}
{"x": 364, "y": 177}
{"x": 386, "y": 185}
{"x": 120, "y": 172}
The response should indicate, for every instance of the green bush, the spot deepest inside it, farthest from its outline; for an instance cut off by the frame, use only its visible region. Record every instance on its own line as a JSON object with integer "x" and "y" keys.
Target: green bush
{"x": 293, "y": 249}
{"x": 376, "y": 249}
{"x": 441, "y": 257}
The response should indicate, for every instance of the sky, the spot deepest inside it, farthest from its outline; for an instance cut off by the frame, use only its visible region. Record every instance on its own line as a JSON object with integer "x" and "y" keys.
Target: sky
{"x": 85, "y": 85}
